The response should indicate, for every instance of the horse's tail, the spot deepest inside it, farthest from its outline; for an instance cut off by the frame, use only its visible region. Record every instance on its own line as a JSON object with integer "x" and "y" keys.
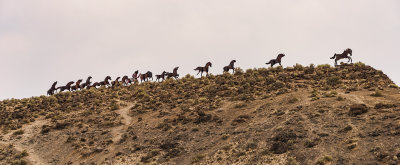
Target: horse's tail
{"x": 333, "y": 56}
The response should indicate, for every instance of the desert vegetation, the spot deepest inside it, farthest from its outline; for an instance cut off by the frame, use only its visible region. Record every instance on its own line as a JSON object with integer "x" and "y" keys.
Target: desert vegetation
{"x": 294, "y": 115}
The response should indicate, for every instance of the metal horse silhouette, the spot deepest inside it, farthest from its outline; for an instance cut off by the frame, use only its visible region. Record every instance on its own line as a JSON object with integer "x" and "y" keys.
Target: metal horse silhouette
{"x": 201, "y": 69}
{"x": 174, "y": 73}
{"x": 52, "y": 89}
{"x": 345, "y": 54}
{"x": 230, "y": 66}
{"x": 278, "y": 60}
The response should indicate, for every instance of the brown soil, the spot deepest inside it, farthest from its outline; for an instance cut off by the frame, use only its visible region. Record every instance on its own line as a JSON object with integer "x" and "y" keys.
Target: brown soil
{"x": 296, "y": 115}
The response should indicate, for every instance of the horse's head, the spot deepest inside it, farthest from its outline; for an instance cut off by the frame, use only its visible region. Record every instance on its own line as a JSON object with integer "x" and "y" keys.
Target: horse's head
{"x": 107, "y": 78}
{"x": 90, "y": 77}
{"x": 164, "y": 73}
{"x": 349, "y": 51}
{"x": 150, "y": 74}
{"x": 209, "y": 64}
{"x": 281, "y": 55}
{"x": 176, "y": 68}
{"x": 70, "y": 83}
{"x": 117, "y": 78}
{"x": 137, "y": 71}
{"x": 233, "y": 61}
{"x": 80, "y": 80}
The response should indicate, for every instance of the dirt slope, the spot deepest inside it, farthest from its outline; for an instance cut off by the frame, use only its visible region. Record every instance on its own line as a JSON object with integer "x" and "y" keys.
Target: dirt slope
{"x": 294, "y": 115}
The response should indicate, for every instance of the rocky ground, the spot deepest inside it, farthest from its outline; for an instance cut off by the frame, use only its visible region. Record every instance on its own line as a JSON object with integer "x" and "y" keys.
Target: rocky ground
{"x": 295, "y": 115}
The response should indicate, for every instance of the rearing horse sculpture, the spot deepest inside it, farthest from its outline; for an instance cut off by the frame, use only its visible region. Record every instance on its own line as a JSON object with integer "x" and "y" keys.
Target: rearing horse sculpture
{"x": 230, "y": 66}
{"x": 52, "y": 89}
{"x": 77, "y": 85}
{"x": 174, "y": 73}
{"x": 201, "y": 69}
{"x": 345, "y": 54}
{"x": 135, "y": 76}
{"x": 87, "y": 83}
{"x": 278, "y": 60}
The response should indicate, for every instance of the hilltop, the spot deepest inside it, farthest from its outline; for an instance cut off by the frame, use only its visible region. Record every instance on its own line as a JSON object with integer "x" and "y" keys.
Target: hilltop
{"x": 294, "y": 115}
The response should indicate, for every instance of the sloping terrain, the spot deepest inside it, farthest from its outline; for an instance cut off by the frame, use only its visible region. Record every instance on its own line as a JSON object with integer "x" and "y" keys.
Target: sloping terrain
{"x": 295, "y": 115}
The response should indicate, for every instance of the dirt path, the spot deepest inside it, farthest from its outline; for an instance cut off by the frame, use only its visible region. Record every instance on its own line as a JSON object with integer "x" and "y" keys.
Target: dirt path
{"x": 126, "y": 121}
{"x": 116, "y": 133}
{"x": 24, "y": 141}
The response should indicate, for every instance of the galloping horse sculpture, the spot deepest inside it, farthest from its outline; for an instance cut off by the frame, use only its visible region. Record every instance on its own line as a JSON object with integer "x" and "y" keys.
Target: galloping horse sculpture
{"x": 201, "y": 69}
{"x": 161, "y": 76}
{"x": 278, "y": 60}
{"x": 174, "y": 73}
{"x": 345, "y": 54}
{"x": 52, "y": 89}
{"x": 106, "y": 81}
{"x": 66, "y": 87}
{"x": 95, "y": 85}
{"x": 77, "y": 85}
{"x": 230, "y": 66}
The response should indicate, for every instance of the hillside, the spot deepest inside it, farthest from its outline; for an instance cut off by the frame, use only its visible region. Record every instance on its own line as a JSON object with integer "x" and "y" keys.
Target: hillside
{"x": 294, "y": 115}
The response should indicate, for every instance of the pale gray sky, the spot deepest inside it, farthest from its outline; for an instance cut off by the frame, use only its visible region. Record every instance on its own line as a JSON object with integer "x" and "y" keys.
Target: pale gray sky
{"x": 42, "y": 41}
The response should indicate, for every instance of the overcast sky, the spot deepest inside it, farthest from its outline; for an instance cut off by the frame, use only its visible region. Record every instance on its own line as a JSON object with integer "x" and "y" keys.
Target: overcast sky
{"x": 42, "y": 41}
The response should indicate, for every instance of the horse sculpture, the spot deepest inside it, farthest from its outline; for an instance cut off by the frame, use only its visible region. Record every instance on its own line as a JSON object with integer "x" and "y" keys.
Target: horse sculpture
{"x": 161, "y": 76}
{"x": 52, "y": 89}
{"x": 106, "y": 81}
{"x": 278, "y": 60}
{"x": 95, "y": 85}
{"x": 87, "y": 83}
{"x": 174, "y": 73}
{"x": 77, "y": 85}
{"x": 135, "y": 76}
{"x": 230, "y": 66}
{"x": 345, "y": 54}
{"x": 201, "y": 69}
{"x": 146, "y": 76}
{"x": 116, "y": 82}
{"x": 126, "y": 81}
{"x": 66, "y": 87}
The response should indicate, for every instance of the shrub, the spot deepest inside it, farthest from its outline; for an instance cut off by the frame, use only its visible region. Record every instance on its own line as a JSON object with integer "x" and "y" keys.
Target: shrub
{"x": 384, "y": 106}
{"x": 377, "y": 94}
{"x": 324, "y": 66}
{"x": 359, "y": 64}
{"x": 198, "y": 158}
{"x": 298, "y": 67}
{"x": 292, "y": 100}
{"x": 358, "y": 109}
{"x": 340, "y": 98}
{"x": 333, "y": 81}
{"x": 324, "y": 160}
{"x": 240, "y": 105}
{"x": 19, "y": 132}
